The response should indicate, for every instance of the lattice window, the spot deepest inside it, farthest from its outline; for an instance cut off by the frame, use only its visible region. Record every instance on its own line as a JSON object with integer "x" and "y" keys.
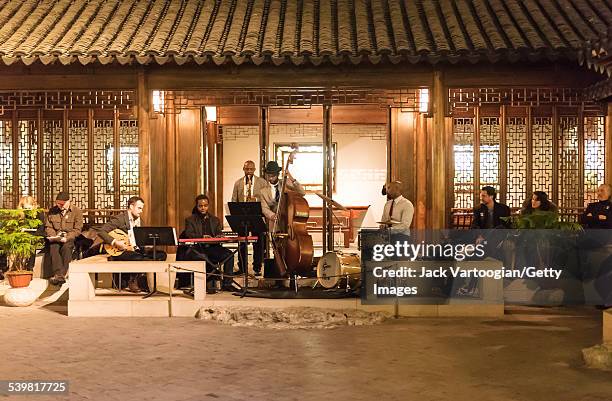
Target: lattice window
{"x": 594, "y": 156}
{"x": 542, "y": 162}
{"x": 103, "y": 142}
{"x": 463, "y": 132}
{"x": 6, "y": 164}
{"x": 489, "y": 152}
{"x": 78, "y": 162}
{"x": 129, "y": 157}
{"x": 516, "y": 174}
{"x": 27, "y": 135}
{"x": 570, "y": 170}
{"x": 53, "y": 162}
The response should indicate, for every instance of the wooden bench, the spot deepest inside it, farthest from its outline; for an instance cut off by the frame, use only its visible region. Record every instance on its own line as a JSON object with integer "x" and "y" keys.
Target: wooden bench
{"x": 84, "y": 301}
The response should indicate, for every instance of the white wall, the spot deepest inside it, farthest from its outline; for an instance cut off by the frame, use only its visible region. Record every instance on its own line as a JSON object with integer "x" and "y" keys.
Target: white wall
{"x": 361, "y": 159}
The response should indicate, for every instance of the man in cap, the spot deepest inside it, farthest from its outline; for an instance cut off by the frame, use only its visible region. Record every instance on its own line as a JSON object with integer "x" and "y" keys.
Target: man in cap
{"x": 63, "y": 225}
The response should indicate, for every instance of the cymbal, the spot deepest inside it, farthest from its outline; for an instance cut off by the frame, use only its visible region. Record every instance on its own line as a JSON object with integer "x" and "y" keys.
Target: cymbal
{"x": 330, "y": 201}
{"x": 388, "y": 223}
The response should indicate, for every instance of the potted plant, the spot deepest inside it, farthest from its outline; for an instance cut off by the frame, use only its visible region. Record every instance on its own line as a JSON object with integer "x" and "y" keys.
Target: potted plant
{"x": 18, "y": 242}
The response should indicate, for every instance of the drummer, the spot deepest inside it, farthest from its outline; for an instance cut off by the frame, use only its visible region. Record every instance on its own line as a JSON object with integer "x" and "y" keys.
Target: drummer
{"x": 398, "y": 211}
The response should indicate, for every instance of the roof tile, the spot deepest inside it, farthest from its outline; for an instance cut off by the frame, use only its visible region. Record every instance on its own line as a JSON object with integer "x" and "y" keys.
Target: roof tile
{"x": 297, "y": 31}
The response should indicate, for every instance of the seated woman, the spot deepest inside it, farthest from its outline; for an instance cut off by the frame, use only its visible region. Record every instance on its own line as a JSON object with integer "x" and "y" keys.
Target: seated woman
{"x": 202, "y": 224}
{"x": 29, "y": 203}
{"x": 539, "y": 202}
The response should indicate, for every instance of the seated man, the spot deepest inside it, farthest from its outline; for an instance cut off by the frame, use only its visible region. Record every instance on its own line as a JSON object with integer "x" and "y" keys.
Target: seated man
{"x": 202, "y": 224}
{"x": 126, "y": 222}
{"x": 63, "y": 224}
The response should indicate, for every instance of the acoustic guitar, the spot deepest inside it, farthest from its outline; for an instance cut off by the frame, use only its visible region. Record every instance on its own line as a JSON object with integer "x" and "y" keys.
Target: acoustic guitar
{"x": 118, "y": 235}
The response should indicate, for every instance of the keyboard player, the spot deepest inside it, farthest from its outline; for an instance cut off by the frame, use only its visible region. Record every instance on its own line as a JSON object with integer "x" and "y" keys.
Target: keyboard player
{"x": 202, "y": 224}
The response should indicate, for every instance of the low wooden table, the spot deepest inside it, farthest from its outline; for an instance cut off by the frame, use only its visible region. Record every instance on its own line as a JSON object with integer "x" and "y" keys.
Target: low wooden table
{"x": 83, "y": 301}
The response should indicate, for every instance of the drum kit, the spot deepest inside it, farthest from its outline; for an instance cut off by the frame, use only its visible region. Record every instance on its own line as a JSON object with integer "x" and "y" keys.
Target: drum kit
{"x": 337, "y": 269}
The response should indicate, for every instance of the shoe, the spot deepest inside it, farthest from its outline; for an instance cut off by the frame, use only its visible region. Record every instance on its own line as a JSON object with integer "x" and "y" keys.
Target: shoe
{"x": 57, "y": 280}
{"x": 229, "y": 288}
{"x": 133, "y": 286}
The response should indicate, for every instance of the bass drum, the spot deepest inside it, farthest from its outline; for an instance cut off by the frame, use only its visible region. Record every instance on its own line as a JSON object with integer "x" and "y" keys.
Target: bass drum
{"x": 329, "y": 270}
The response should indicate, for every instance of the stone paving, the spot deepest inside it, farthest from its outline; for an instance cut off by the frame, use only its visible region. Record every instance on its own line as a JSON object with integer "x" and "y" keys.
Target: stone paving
{"x": 530, "y": 354}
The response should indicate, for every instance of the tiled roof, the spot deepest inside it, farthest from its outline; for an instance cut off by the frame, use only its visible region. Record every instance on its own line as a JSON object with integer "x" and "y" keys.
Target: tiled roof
{"x": 297, "y": 31}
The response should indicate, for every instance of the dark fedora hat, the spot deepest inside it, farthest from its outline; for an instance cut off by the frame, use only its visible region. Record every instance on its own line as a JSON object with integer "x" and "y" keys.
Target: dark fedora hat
{"x": 272, "y": 167}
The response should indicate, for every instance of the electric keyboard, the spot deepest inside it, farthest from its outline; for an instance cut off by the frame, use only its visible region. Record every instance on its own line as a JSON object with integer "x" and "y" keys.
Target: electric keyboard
{"x": 217, "y": 240}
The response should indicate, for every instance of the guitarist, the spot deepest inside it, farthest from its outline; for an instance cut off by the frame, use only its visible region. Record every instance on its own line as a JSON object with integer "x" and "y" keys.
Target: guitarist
{"x": 126, "y": 222}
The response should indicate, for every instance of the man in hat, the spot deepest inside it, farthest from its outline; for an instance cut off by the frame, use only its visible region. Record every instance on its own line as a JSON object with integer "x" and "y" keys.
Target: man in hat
{"x": 271, "y": 195}
{"x": 63, "y": 225}
{"x": 249, "y": 189}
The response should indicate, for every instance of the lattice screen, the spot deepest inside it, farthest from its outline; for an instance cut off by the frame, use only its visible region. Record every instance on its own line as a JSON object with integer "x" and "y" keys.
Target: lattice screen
{"x": 574, "y": 159}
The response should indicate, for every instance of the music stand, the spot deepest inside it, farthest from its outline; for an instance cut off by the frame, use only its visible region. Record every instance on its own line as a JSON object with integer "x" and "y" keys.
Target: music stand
{"x": 243, "y": 225}
{"x": 154, "y": 236}
{"x": 245, "y": 208}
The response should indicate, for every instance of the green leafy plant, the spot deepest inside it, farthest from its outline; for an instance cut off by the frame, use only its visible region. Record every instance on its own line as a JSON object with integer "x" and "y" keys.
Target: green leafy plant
{"x": 541, "y": 220}
{"x": 17, "y": 240}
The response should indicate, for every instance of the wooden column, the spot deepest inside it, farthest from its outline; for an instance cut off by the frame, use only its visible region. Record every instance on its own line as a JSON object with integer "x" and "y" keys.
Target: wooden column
{"x": 117, "y": 162}
{"x": 144, "y": 145}
{"x": 211, "y": 157}
{"x": 437, "y": 150}
{"x": 554, "y": 195}
{"x": 264, "y": 138}
{"x": 503, "y": 156}
{"x": 328, "y": 230}
{"x": 420, "y": 200}
{"x": 403, "y": 150}
{"x": 171, "y": 166}
{"x": 90, "y": 158}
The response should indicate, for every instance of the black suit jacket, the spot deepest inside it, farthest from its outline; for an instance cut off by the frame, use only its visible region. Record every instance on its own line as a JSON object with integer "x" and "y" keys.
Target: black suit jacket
{"x": 481, "y": 215}
{"x": 591, "y": 217}
{"x": 195, "y": 229}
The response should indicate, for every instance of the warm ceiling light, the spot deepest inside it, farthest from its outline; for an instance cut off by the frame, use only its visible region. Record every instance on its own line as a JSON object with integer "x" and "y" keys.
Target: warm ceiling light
{"x": 211, "y": 113}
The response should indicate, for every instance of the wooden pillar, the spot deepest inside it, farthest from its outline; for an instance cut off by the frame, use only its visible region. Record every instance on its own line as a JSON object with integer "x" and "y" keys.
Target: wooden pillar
{"x": 608, "y": 142}
{"x": 420, "y": 204}
{"x": 171, "y": 166}
{"x": 328, "y": 231}
{"x": 117, "y": 162}
{"x": 403, "y": 149}
{"x": 554, "y": 195}
{"x": 144, "y": 145}
{"x": 529, "y": 166}
{"x": 503, "y": 156}
{"x": 90, "y": 159}
{"x": 437, "y": 149}
{"x": 264, "y": 138}
{"x": 211, "y": 157}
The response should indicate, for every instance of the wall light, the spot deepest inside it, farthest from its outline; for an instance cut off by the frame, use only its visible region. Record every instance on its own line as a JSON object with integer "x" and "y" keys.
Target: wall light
{"x": 423, "y": 100}
{"x": 211, "y": 113}
{"x": 158, "y": 101}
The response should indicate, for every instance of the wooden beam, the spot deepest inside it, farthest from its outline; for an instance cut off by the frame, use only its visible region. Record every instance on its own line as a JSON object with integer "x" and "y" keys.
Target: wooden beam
{"x": 171, "y": 166}
{"x": 312, "y": 115}
{"x": 264, "y": 138}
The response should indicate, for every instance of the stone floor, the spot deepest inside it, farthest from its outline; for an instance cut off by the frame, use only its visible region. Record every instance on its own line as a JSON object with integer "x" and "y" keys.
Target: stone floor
{"x": 530, "y": 354}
